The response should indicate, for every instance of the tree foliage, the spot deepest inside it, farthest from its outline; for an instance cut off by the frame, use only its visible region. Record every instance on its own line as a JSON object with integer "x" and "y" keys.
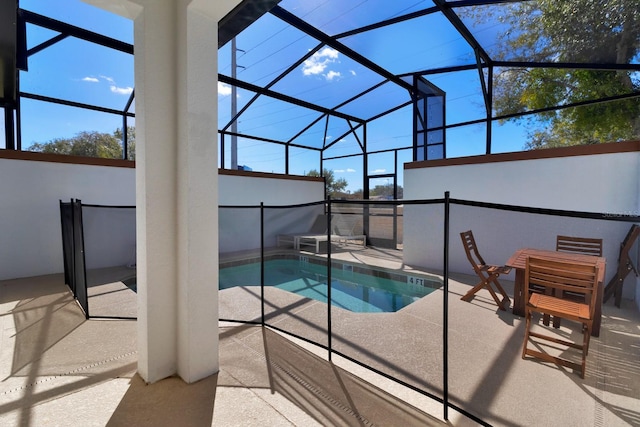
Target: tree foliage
{"x": 385, "y": 191}
{"x": 334, "y": 186}
{"x": 131, "y": 141}
{"x": 571, "y": 31}
{"x": 90, "y": 144}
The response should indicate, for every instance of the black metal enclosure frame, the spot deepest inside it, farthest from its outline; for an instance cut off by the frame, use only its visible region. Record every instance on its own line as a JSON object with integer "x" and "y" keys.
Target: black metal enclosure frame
{"x": 249, "y": 11}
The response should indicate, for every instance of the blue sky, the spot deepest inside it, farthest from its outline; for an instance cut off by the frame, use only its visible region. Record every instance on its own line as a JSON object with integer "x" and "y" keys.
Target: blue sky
{"x": 79, "y": 71}
{"x": 74, "y": 70}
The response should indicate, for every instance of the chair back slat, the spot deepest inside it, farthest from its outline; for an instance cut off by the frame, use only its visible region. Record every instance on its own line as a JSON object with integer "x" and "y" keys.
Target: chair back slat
{"x": 567, "y": 281}
{"x": 583, "y": 245}
{"x": 471, "y": 249}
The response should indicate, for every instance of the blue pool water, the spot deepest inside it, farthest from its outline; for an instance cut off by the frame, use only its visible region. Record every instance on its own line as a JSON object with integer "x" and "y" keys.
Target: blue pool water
{"x": 349, "y": 290}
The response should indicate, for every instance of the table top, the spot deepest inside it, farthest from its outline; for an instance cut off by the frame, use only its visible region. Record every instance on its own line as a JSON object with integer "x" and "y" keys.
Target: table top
{"x": 519, "y": 259}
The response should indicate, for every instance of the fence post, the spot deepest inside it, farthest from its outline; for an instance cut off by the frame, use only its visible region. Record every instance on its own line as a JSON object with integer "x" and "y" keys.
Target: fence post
{"x": 329, "y": 275}
{"x": 80, "y": 268}
{"x": 445, "y": 311}
{"x": 262, "y": 263}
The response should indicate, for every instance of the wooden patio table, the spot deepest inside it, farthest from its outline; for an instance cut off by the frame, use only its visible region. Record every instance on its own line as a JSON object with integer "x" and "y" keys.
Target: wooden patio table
{"x": 518, "y": 261}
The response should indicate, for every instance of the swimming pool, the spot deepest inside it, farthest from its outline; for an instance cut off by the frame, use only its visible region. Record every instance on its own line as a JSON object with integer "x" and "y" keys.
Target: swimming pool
{"x": 362, "y": 290}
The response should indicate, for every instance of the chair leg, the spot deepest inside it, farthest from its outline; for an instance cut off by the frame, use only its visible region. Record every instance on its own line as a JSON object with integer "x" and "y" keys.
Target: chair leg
{"x": 495, "y": 297}
{"x": 579, "y": 367}
{"x": 471, "y": 292}
{"x": 587, "y": 338}
{"x": 618, "y": 295}
{"x": 585, "y": 348}
{"x": 505, "y": 298}
{"x": 487, "y": 284}
{"x": 546, "y": 318}
{"x": 527, "y": 326}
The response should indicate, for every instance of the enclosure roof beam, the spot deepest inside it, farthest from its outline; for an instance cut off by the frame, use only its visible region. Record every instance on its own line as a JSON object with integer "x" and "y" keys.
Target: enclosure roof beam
{"x": 309, "y": 29}
{"x": 286, "y": 98}
{"x": 72, "y": 30}
{"x": 242, "y": 16}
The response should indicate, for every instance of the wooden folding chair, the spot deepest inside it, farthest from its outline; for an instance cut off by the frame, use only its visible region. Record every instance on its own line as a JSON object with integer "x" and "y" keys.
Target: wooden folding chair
{"x": 488, "y": 273}
{"x": 560, "y": 276}
{"x": 625, "y": 266}
{"x": 576, "y": 245}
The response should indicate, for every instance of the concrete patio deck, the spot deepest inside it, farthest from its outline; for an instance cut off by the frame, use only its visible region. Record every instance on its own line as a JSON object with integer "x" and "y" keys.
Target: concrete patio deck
{"x": 60, "y": 369}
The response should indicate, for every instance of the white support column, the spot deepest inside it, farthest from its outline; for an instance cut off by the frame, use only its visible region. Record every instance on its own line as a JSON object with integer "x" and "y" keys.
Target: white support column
{"x": 176, "y": 45}
{"x": 156, "y": 189}
{"x": 197, "y": 195}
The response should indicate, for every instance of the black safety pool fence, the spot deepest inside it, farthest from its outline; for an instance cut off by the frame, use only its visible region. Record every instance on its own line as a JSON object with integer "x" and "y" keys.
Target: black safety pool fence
{"x": 98, "y": 245}
{"x": 416, "y": 233}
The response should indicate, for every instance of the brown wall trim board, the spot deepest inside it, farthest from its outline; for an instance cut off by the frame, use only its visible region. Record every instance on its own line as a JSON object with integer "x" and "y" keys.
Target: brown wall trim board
{"x": 548, "y": 153}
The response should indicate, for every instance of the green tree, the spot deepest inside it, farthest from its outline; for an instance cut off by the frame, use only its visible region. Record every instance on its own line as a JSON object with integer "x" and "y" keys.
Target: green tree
{"x": 334, "y": 186}
{"x": 572, "y": 31}
{"x": 55, "y": 146}
{"x": 96, "y": 144}
{"x": 131, "y": 141}
{"x": 385, "y": 191}
{"x": 90, "y": 144}
{"x": 357, "y": 195}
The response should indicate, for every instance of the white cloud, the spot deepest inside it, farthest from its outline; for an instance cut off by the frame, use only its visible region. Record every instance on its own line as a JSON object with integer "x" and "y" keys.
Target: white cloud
{"x": 353, "y": 73}
{"x": 350, "y": 170}
{"x": 121, "y": 90}
{"x": 224, "y": 89}
{"x": 112, "y": 84}
{"x": 332, "y": 75}
{"x": 328, "y": 52}
{"x": 311, "y": 68}
{"x": 319, "y": 62}
{"x": 379, "y": 171}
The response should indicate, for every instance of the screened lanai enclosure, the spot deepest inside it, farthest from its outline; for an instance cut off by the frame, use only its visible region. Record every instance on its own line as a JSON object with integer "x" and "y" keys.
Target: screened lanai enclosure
{"x": 368, "y": 265}
{"x": 354, "y": 87}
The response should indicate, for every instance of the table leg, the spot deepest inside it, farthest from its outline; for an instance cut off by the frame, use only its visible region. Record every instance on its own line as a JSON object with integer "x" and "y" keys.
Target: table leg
{"x": 518, "y": 293}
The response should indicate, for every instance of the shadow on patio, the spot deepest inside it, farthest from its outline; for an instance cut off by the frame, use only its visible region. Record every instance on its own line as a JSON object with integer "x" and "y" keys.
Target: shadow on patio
{"x": 58, "y": 366}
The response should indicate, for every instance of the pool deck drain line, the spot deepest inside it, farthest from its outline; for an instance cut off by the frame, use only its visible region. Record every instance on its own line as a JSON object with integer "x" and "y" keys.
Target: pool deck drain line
{"x": 67, "y": 374}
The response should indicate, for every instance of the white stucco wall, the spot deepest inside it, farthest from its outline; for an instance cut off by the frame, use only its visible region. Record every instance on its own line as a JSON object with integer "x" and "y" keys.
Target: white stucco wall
{"x": 30, "y": 227}
{"x": 591, "y": 183}
{"x": 239, "y": 228}
{"x": 599, "y": 183}
{"x": 31, "y": 243}
{"x": 251, "y": 190}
